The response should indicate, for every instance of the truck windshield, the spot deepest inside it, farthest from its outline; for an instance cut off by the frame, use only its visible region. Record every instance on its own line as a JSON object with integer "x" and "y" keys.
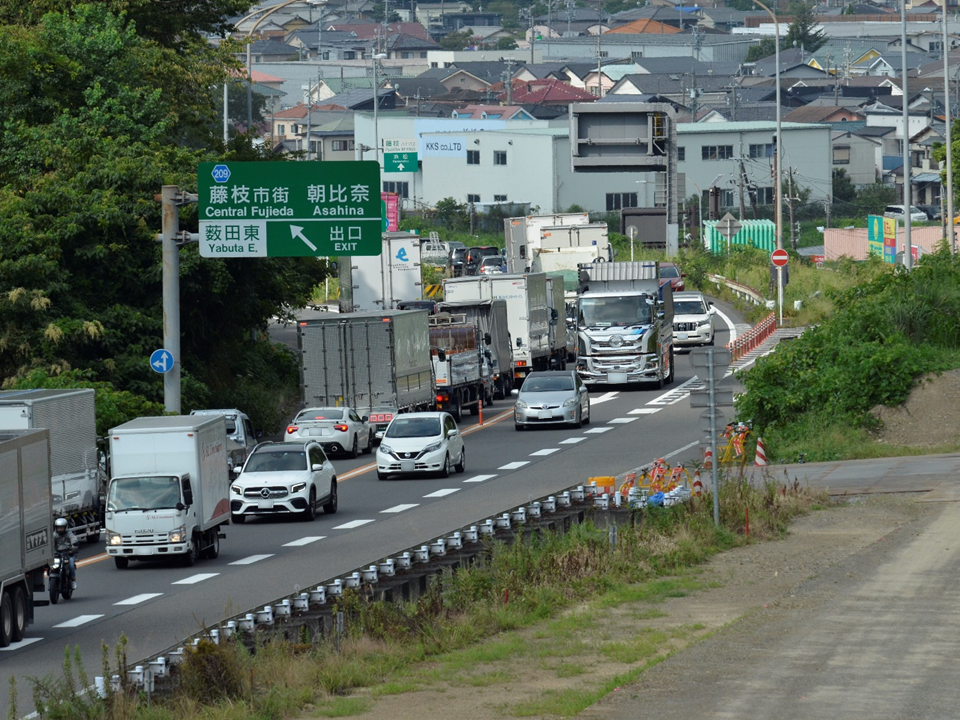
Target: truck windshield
{"x": 143, "y": 493}
{"x": 614, "y": 311}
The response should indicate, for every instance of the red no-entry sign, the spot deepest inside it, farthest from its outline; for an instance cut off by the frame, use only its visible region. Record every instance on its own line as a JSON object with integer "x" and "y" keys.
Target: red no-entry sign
{"x": 780, "y": 258}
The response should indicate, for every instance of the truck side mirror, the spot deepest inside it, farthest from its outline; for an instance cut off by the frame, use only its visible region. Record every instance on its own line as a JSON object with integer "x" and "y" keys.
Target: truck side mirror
{"x": 487, "y": 339}
{"x": 180, "y": 507}
{"x": 441, "y": 356}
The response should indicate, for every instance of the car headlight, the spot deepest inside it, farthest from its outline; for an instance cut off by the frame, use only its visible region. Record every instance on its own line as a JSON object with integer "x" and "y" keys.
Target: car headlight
{"x": 178, "y": 535}
{"x": 570, "y": 401}
{"x": 298, "y": 487}
{"x": 704, "y": 322}
{"x": 236, "y": 490}
{"x": 386, "y": 448}
{"x": 113, "y": 538}
{"x": 521, "y": 405}
{"x": 431, "y": 448}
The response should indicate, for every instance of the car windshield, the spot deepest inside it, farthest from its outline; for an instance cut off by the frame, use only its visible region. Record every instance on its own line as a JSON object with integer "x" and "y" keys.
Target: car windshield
{"x": 669, "y": 271}
{"x": 143, "y": 493}
{"x": 414, "y": 427}
{"x": 547, "y": 384}
{"x": 688, "y": 307}
{"x": 271, "y": 460}
{"x": 321, "y": 414}
{"x": 615, "y": 311}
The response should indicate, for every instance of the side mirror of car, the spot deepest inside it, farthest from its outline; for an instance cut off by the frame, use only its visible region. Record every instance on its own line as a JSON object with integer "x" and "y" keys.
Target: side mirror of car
{"x": 515, "y": 392}
{"x": 316, "y": 467}
{"x": 451, "y": 433}
{"x": 235, "y": 470}
{"x": 364, "y": 418}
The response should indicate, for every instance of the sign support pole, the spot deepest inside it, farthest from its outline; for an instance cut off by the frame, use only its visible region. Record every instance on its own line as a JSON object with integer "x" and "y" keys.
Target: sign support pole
{"x": 780, "y": 292}
{"x": 170, "y": 195}
{"x": 713, "y": 439}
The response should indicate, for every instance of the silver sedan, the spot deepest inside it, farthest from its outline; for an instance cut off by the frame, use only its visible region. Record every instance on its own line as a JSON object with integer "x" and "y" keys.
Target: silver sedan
{"x": 557, "y": 397}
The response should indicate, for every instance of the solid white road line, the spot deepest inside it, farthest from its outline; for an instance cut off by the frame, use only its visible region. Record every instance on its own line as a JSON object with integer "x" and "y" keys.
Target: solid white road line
{"x": 251, "y": 559}
{"x": 194, "y": 579}
{"x": 353, "y": 524}
{"x": 604, "y": 398}
{"x": 479, "y": 478}
{"x": 621, "y": 421}
{"x": 399, "y": 508}
{"x": 514, "y": 465}
{"x": 442, "y": 493}
{"x": 598, "y": 430}
{"x": 304, "y": 541}
{"x": 22, "y": 643}
{"x": 644, "y": 411}
{"x": 573, "y": 441}
{"x": 729, "y": 323}
{"x": 137, "y": 599}
{"x": 544, "y": 452}
{"x": 78, "y": 621}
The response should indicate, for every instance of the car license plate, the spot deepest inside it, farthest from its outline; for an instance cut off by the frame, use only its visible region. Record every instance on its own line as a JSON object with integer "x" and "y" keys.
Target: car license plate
{"x": 407, "y": 466}
{"x": 681, "y": 336}
{"x": 545, "y": 414}
{"x": 265, "y": 504}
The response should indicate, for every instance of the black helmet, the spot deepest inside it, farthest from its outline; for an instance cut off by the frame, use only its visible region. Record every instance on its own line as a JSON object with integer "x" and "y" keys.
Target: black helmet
{"x": 61, "y": 526}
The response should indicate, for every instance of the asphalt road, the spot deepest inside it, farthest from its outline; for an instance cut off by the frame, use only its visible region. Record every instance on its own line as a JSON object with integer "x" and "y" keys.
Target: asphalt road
{"x": 158, "y": 604}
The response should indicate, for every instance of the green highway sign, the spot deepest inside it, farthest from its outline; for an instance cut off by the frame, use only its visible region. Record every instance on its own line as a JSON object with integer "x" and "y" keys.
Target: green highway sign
{"x": 400, "y": 155}
{"x": 289, "y": 209}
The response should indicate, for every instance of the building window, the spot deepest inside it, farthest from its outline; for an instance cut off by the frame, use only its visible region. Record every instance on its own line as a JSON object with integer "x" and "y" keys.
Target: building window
{"x": 499, "y": 157}
{"x": 681, "y": 154}
{"x": 841, "y": 154}
{"x": 765, "y": 196}
{"x": 761, "y": 151}
{"x": 400, "y": 188}
{"x": 499, "y": 198}
{"x": 424, "y": 55}
{"x": 619, "y": 201}
{"x": 281, "y": 129}
{"x": 473, "y": 157}
{"x": 473, "y": 198}
{"x": 634, "y": 54}
{"x": 717, "y": 152}
{"x": 343, "y": 145}
{"x": 406, "y": 55}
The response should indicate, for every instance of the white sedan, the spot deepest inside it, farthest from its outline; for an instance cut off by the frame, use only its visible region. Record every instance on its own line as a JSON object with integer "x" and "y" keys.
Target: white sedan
{"x": 418, "y": 443}
{"x": 337, "y": 429}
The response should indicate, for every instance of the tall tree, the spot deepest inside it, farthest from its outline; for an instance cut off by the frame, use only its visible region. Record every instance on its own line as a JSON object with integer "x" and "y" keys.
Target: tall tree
{"x": 803, "y": 31}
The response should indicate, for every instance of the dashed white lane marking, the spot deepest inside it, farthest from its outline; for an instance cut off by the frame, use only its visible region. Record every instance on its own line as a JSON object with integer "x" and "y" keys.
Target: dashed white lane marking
{"x": 304, "y": 541}
{"x": 514, "y": 465}
{"x": 251, "y": 559}
{"x": 479, "y": 478}
{"x": 621, "y": 421}
{"x": 597, "y": 431}
{"x": 137, "y": 599}
{"x": 644, "y": 411}
{"x": 606, "y": 397}
{"x": 22, "y": 643}
{"x": 78, "y": 621}
{"x": 572, "y": 441}
{"x": 353, "y": 524}
{"x": 442, "y": 493}
{"x": 399, "y": 508}
{"x": 194, "y": 579}
{"x": 544, "y": 452}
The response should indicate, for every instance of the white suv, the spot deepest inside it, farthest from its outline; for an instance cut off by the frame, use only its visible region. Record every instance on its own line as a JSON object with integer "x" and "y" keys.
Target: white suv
{"x": 692, "y": 319}
{"x": 896, "y": 211}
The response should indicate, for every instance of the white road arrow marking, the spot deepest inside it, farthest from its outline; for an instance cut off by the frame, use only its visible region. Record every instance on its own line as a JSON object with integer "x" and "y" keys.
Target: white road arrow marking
{"x": 604, "y": 398}
{"x": 297, "y": 232}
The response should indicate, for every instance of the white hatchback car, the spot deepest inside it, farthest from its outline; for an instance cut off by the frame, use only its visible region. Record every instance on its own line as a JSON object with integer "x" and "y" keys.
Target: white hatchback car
{"x": 417, "y": 443}
{"x": 281, "y": 478}
{"x": 338, "y": 429}
{"x": 692, "y": 319}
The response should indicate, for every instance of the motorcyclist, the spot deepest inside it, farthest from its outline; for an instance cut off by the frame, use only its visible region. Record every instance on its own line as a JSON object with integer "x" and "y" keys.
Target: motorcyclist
{"x": 66, "y": 542}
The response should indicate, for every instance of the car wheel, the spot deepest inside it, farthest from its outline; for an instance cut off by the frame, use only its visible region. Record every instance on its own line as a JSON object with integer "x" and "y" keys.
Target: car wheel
{"x": 122, "y": 563}
{"x": 579, "y": 421}
{"x": 369, "y": 448}
{"x": 587, "y": 420}
{"x": 445, "y": 472}
{"x": 238, "y": 519}
{"x": 462, "y": 465}
{"x": 19, "y": 614}
{"x": 353, "y": 450}
{"x": 330, "y": 508}
{"x": 310, "y": 513}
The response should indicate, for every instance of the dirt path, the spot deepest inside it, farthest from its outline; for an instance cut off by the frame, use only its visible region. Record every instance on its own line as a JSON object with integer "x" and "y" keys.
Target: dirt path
{"x": 718, "y": 625}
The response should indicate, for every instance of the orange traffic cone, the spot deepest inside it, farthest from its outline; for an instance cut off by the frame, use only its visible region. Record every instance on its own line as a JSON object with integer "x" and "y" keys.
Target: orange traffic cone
{"x": 708, "y": 458}
{"x": 761, "y": 460}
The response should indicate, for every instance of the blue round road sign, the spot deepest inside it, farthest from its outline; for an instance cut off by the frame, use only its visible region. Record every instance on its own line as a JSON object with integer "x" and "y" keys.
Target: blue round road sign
{"x": 161, "y": 361}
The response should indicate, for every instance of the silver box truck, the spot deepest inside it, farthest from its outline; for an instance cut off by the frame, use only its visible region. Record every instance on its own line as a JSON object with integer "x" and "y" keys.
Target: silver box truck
{"x": 522, "y": 236}
{"x": 26, "y": 528}
{"x": 490, "y": 317}
{"x": 371, "y": 283}
{"x": 70, "y": 416}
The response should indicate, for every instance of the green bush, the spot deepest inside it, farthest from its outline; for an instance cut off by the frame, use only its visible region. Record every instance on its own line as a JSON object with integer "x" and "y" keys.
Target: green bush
{"x": 212, "y": 672}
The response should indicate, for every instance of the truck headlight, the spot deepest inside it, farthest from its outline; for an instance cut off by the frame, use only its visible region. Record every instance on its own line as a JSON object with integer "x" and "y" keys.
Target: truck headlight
{"x": 113, "y": 538}
{"x": 299, "y": 487}
{"x": 177, "y": 536}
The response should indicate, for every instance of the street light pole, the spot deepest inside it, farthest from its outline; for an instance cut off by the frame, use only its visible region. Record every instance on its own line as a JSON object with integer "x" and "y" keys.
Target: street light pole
{"x": 907, "y": 195}
{"x": 376, "y": 105}
{"x": 948, "y": 138}
{"x": 778, "y": 150}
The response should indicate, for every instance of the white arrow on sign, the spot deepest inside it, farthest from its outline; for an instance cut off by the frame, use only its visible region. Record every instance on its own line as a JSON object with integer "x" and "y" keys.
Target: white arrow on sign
{"x": 400, "y": 167}
{"x": 162, "y": 363}
{"x": 297, "y": 232}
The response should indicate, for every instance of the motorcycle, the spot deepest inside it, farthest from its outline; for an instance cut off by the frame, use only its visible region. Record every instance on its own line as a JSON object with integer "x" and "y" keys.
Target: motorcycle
{"x": 59, "y": 576}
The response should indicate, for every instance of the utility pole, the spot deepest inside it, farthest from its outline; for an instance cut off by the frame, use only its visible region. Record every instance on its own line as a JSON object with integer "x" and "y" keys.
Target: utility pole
{"x": 790, "y": 198}
{"x": 742, "y": 181}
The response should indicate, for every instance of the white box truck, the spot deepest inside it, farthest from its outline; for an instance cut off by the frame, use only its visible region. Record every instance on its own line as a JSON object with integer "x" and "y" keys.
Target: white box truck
{"x": 522, "y": 235}
{"x": 70, "y": 416}
{"x": 169, "y": 493}
{"x": 528, "y": 313}
{"x": 378, "y": 282}
{"x": 26, "y": 528}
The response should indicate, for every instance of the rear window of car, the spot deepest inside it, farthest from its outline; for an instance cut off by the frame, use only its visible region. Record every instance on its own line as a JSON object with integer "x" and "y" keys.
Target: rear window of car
{"x": 414, "y": 427}
{"x": 321, "y": 414}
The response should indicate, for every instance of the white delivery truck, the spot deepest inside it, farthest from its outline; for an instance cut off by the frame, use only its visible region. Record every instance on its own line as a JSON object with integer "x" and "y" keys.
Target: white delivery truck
{"x": 70, "y": 416}
{"x": 26, "y": 528}
{"x": 169, "y": 494}
{"x": 522, "y": 236}
{"x": 374, "y": 283}
{"x": 528, "y": 313}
